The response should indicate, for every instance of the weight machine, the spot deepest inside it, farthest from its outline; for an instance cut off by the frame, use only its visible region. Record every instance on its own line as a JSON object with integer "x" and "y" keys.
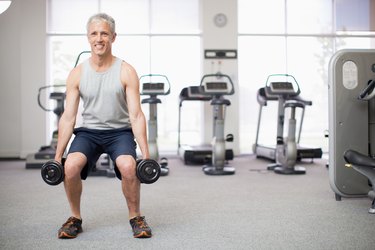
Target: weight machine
{"x": 352, "y": 124}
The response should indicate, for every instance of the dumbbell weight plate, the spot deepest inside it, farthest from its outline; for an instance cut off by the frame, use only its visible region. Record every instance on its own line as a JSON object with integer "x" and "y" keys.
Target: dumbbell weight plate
{"x": 52, "y": 173}
{"x": 148, "y": 171}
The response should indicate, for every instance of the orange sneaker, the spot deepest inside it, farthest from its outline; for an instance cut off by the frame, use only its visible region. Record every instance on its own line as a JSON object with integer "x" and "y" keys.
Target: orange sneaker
{"x": 70, "y": 229}
{"x": 140, "y": 227}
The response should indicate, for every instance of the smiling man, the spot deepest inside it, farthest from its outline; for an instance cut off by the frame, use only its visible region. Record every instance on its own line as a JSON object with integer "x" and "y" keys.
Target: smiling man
{"x": 113, "y": 123}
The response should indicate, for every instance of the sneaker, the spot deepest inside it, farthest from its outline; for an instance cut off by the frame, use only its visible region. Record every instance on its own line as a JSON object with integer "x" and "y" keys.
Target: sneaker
{"x": 140, "y": 227}
{"x": 70, "y": 228}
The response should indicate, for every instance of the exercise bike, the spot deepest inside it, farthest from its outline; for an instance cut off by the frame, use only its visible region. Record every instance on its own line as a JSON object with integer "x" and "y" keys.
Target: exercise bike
{"x": 217, "y": 86}
{"x": 285, "y": 89}
{"x": 154, "y": 85}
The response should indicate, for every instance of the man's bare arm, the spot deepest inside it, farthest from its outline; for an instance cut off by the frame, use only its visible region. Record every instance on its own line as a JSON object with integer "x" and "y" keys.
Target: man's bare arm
{"x": 129, "y": 77}
{"x": 68, "y": 118}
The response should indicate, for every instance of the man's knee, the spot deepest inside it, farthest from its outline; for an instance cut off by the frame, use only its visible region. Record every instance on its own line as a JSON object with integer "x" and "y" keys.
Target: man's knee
{"x": 74, "y": 164}
{"x": 126, "y": 166}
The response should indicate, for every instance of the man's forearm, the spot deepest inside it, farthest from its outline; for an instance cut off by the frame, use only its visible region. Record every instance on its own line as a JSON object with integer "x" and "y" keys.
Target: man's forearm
{"x": 64, "y": 134}
{"x": 139, "y": 131}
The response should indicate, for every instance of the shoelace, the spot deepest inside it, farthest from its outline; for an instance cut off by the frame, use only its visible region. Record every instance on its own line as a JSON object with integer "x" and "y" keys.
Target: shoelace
{"x": 141, "y": 223}
{"x": 70, "y": 221}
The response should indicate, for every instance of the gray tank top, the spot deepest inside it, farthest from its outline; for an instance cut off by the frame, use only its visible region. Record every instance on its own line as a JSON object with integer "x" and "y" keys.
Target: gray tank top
{"x": 104, "y": 100}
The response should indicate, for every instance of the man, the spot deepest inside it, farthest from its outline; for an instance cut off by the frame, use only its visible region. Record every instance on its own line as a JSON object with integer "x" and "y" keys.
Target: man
{"x": 112, "y": 118}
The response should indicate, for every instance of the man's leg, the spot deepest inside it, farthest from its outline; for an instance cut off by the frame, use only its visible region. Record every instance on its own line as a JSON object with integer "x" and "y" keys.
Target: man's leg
{"x": 72, "y": 181}
{"x": 130, "y": 184}
{"x": 131, "y": 187}
{"x": 73, "y": 189}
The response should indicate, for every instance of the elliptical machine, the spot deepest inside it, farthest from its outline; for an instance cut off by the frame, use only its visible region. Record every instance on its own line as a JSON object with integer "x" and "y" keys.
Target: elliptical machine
{"x": 217, "y": 86}
{"x": 154, "y": 85}
{"x": 285, "y": 89}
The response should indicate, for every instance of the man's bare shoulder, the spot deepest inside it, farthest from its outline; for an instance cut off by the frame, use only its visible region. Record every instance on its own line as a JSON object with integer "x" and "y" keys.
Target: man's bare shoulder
{"x": 127, "y": 67}
{"x": 128, "y": 72}
{"x": 75, "y": 76}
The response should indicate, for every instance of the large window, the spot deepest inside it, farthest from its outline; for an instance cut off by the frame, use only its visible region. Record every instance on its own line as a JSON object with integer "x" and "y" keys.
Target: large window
{"x": 155, "y": 36}
{"x": 296, "y": 37}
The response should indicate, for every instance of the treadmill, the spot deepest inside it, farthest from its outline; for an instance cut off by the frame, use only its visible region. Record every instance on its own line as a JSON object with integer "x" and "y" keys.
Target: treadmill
{"x": 269, "y": 151}
{"x": 196, "y": 154}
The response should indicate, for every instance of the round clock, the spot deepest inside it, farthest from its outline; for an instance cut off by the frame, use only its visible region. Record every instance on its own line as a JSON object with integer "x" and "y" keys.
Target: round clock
{"x": 220, "y": 20}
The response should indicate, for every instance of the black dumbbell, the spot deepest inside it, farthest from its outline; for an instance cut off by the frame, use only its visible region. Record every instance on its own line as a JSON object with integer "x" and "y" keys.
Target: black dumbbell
{"x": 164, "y": 166}
{"x": 53, "y": 172}
{"x": 148, "y": 171}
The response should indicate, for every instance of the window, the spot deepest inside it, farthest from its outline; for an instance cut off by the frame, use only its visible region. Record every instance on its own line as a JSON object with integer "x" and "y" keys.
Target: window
{"x": 69, "y": 16}
{"x": 131, "y": 16}
{"x": 288, "y": 39}
{"x": 257, "y": 17}
{"x": 184, "y": 14}
{"x": 355, "y": 15}
{"x": 309, "y": 17}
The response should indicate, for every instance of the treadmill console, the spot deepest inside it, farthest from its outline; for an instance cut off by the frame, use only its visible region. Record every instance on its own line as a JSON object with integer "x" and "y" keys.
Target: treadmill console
{"x": 193, "y": 93}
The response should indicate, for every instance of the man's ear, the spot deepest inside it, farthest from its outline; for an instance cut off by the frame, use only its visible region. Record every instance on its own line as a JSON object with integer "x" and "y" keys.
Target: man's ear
{"x": 114, "y": 37}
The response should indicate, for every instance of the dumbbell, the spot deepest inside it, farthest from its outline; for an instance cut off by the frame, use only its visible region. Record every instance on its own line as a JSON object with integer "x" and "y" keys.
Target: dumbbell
{"x": 164, "y": 166}
{"x": 148, "y": 171}
{"x": 53, "y": 172}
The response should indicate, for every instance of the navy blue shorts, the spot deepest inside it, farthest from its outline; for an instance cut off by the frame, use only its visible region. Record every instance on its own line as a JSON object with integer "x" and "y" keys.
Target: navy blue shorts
{"x": 94, "y": 142}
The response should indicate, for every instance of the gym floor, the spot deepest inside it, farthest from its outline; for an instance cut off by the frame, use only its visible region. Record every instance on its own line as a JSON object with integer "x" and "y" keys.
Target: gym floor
{"x": 253, "y": 209}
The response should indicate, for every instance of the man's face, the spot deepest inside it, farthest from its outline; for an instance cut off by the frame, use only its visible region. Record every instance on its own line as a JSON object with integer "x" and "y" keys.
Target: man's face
{"x": 100, "y": 38}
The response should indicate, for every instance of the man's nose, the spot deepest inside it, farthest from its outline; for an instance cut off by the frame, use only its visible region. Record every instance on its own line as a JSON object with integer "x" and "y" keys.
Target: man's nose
{"x": 99, "y": 38}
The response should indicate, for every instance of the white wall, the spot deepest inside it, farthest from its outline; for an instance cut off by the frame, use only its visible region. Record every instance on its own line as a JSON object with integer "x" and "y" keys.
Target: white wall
{"x": 22, "y": 72}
